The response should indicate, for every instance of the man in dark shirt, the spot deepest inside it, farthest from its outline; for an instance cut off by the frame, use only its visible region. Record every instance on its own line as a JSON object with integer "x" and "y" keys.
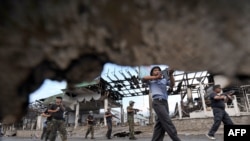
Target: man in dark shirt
{"x": 91, "y": 123}
{"x": 109, "y": 116}
{"x": 218, "y": 106}
{"x": 58, "y": 123}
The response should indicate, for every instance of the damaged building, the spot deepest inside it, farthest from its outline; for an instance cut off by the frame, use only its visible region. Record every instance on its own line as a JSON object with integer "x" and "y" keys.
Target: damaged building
{"x": 108, "y": 90}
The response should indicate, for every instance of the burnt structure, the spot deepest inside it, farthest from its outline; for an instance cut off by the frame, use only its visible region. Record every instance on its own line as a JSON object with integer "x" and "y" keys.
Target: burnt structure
{"x": 192, "y": 87}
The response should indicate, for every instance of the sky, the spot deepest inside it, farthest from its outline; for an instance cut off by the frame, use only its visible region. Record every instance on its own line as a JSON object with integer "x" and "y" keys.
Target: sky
{"x": 50, "y": 88}
{"x": 47, "y": 89}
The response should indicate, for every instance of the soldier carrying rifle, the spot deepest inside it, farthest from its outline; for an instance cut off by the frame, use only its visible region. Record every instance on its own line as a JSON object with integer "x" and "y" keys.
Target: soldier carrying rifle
{"x": 130, "y": 115}
{"x": 91, "y": 124}
{"x": 109, "y": 116}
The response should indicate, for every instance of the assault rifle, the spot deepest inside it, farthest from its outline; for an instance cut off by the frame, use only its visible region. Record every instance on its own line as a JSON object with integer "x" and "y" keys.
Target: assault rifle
{"x": 166, "y": 73}
{"x": 136, "y": 110}
{"x": 229, "y": 94}
{"x": 115, "y": 116}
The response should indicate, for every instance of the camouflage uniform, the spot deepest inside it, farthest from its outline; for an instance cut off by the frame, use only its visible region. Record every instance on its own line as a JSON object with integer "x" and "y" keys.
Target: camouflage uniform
{"x": 47, "y": 133}
{"x": 47, "y": 128}
{"x": 130, "y": 117}
{"x": 91, "y": 124}
{"x": 57, "y": 124}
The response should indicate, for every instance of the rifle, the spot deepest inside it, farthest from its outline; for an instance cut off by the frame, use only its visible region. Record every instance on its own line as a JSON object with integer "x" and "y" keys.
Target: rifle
{"x": 229, "y": 94}
{"x": 136, "y": 110}
{"x": 166, "y": 73}
{"x": 114, "y": 116}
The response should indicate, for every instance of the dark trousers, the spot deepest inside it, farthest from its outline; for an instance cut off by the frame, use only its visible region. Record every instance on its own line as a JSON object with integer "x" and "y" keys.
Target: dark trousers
{"x": 48, "y": 129}
{"x": 163, "y": 122}
{"x": 44, "y": 133}
{"x": 219, "y": 115}
{"x": 109, "y": 125}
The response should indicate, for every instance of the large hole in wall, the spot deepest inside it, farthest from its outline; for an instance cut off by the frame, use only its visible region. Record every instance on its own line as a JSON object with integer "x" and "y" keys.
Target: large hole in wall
{"x": 110, "y": 72}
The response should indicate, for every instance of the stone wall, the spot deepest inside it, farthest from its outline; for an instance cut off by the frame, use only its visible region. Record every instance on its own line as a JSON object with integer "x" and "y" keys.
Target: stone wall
{"x": 201, "y": 125}
{"x": 29, "y": 133}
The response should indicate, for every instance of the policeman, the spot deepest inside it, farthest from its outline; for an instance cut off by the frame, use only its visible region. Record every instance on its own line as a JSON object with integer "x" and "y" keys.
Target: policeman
{"x": 219, "y": 112}
{"x": 158, "y": 86}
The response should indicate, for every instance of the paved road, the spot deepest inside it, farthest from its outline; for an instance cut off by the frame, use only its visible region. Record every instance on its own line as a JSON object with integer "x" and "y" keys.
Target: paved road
{"x": 183, "y": 138}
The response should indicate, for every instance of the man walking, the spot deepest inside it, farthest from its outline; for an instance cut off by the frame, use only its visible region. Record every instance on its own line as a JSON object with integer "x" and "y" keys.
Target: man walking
{"x": 219, "y": 112}
{"x": 91, "y": 123}
{"x": 58, "y": 123}
{"x": 158, "y": 86}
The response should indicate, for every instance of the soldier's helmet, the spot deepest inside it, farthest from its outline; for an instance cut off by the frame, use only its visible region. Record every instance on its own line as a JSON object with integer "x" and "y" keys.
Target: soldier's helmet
{"x": 90, "y": 112}
{"x": 131, "y": 102}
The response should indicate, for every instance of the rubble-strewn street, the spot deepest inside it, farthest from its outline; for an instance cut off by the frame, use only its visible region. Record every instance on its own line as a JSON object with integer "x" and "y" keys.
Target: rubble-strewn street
{"x": 183, "y": 137}
{"x": 78, "y": 135}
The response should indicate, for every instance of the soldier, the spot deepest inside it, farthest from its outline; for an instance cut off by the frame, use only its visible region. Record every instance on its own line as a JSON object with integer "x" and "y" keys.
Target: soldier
{"x": 130, "y": 115}
{"x": 91, "y": 123}
{"x": 47, "y": 124}
{"x": 58, "y": 122}
{"x": 44, "y": 130}
{"x": 109, "y": 116}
